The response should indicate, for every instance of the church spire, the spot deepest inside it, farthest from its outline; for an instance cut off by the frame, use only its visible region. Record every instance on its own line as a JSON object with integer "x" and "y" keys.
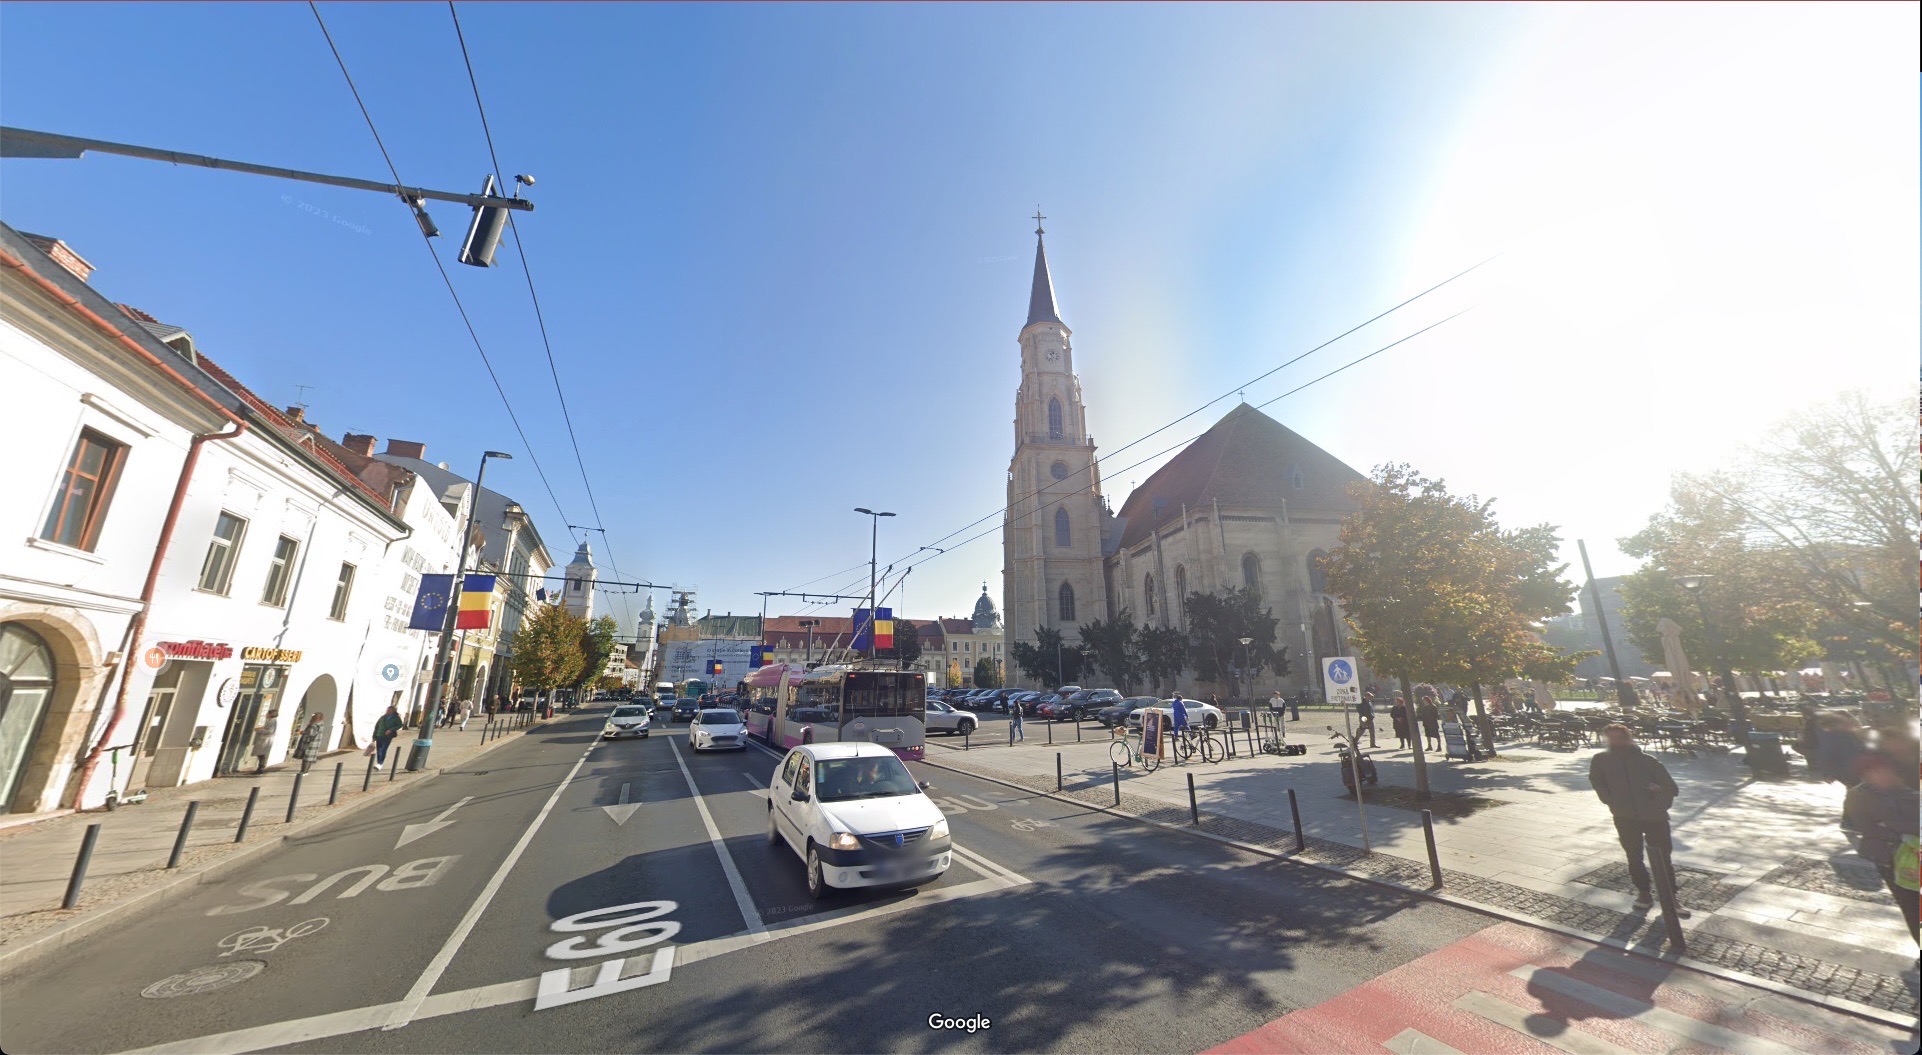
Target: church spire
{"x": 1041, "y": 298}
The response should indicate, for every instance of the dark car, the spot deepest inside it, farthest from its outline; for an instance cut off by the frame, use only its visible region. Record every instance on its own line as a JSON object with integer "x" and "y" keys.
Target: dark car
{"x": 1083, "y": 704}
{"x": 1040, "y": 704}
{"x": 684, "y": 709}
{"x": 1117, "y": 713}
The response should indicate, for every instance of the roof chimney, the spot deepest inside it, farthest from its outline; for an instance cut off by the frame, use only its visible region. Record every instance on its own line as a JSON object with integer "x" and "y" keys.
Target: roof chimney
{"x": 297, "y": 414}
{"x": 360, "y": 444}
{"x": 407, "y": 449}
{"x": 61, "y": 254}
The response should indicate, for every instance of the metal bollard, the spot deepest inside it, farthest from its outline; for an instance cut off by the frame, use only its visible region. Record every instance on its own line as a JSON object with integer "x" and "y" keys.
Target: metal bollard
{"x": 964, "y": 741}
{"x": 1050, "y": 734}
{"x": 1010, "y": 734}
{"x": 1116, "y": 766}
{"x": 247, "y": 815}
{"x": 1077, "y": 730}
{"x": 368, "y": 780}
{"x": 1057, "y": 771}
{"x": 1434, "y": 859}
{"x": 293, "y": 797}
{"x": 1194, "y": 811}
{"x": 1662, "y": 868}
{"x": 80, "y": 866}
{"x": 334, "y": 794}
{"x": 1294, "y": 809}
{"x": 394, "y": 762}
{"x": 180, "y": 840}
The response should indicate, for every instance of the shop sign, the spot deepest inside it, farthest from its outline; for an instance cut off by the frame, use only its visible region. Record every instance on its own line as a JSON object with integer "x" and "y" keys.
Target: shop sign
{"x": 196, "y": 649}
{"x": 270, "y": 655}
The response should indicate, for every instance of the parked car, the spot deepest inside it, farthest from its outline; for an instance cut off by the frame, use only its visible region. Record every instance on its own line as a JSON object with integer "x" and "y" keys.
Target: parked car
{"x": 856, "y": 817}
{"x": 1118, "y": 713}
{"x": 1084, "y": 703}
{"x": 717, "y": 728}
{"x": 1033, "y": 708}
{"x": 1206, "y": 715}
{"x": 1023, "y": 700}
{"x": 627, "y": 720}
{"x": 943, "y": 718}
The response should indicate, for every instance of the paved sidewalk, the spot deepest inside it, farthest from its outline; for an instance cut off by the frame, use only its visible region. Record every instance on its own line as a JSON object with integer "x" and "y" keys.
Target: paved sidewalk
{"x": 130, "y": 856}
{"x": 1776, "y": 888}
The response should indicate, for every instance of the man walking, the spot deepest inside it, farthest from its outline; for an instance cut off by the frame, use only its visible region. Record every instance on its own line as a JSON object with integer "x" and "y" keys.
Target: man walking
{"x": 1638, "y": 792}
{"x": 1366, "y": 710}
{"x": 1015, "y": 732}
{"x": 385, "y": 730}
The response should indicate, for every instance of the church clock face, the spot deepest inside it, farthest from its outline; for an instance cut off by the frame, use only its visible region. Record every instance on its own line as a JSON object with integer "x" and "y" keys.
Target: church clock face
{"x": 1058, "y": 470}
{"x": 1052, "y": 355}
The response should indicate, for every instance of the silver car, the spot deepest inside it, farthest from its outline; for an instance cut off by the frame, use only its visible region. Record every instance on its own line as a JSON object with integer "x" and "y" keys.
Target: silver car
{"x": 717, "y": 729}
{"x": 627, "y": 720}
{"x": 945, "y": 719}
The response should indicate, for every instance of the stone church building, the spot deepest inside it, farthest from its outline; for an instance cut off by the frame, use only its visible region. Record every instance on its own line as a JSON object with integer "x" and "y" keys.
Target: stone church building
{"x": 1249, "y": 503}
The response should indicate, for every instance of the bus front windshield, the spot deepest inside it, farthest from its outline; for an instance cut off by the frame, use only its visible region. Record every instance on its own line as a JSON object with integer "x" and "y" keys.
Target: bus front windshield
{"x": 870, "y": 777}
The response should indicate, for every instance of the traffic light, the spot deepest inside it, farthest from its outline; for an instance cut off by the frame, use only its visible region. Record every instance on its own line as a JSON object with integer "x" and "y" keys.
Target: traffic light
{"x": 484, "y": 233}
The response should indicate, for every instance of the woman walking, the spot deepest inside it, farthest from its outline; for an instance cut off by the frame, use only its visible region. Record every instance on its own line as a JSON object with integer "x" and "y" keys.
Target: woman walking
{"x": 1430, "y": 716}
{"x": 1398, "y": 713}
{"x": 308, "y": 746}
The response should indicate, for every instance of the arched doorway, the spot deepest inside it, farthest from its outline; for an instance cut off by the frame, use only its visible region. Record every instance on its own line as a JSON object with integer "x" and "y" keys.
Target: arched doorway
{"x": 322, "y": 697}
{"x": 26, "y": 691}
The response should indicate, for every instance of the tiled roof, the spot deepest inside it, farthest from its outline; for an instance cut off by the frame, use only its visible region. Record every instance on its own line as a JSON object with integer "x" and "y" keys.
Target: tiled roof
{"x": 1247, "y": 460}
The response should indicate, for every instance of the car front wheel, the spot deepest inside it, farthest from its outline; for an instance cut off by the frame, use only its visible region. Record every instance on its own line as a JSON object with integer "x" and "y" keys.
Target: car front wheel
{"x": 964, "y": 728}
{"x": 817, "y": 883}
{"x": 773, "y": 830}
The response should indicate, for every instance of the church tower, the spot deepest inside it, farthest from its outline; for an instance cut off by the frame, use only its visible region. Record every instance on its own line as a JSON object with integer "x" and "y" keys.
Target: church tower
{"x": 1052, "y": 534}
{"x": 581, "y": 573}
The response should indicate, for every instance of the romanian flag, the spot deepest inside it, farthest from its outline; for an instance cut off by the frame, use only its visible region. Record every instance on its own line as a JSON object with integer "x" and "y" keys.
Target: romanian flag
{"x": 476, "y": 603}
{"x": 884, "y": 628}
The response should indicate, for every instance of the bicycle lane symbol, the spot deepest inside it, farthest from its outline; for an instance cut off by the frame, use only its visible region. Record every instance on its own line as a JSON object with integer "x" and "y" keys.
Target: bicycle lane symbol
{"x": 1029, "y": 824}
{"x": 266, "y": 939}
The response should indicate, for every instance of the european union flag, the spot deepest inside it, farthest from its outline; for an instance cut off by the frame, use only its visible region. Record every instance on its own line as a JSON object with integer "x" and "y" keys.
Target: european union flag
{"x": 431, "y": 601}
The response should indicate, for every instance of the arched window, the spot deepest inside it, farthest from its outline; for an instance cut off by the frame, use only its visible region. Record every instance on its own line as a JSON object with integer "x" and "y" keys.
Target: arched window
{"x": 1148, "y": 592}
{"x": 1318, "y": 571}
{"x": 1251, "y": 572}
{"x": 1181, "y": 589}
{"x": 1062, "y": 536}
{"x": 26, "y": 687}
{"x": 1055, "y": 428}
{"x": 1065, "y": 602}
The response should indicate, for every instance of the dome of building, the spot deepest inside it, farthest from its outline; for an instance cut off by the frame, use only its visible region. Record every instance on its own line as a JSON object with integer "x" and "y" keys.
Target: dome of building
{"x": 985, "y": 617}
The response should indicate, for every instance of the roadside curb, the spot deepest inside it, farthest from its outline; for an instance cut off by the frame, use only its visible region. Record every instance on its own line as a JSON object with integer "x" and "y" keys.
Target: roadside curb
{"x": 1833, "y": 1003}
{"x": 60, "y": 935}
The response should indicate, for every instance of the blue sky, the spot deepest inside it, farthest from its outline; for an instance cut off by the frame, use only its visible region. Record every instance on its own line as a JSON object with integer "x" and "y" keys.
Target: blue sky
{"x": 761, "y": 228}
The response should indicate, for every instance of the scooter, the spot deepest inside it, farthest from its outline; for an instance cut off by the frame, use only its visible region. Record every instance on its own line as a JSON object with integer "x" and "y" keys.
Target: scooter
{"x": 1367, "y": 765}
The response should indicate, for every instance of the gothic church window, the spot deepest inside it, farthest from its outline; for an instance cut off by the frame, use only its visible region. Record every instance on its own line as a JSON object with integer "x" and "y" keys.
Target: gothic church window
{"x": 1065, "y": 602}
{"x": 1148, "y": 592}
{"x": 1062, "y": 536}
{"x": 1181, "y": 588}
{"x": 1055, "y": 428}
{"x": 1251, "y": 572}
{"x": 1318, "y": 571}
{"x": 1058, "y": 470}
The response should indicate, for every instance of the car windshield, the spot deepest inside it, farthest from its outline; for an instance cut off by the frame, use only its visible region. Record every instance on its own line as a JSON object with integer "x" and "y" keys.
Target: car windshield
{"x": 628, "y": 712}
{"x": 719, "y": 718}
{"x": 872, "y": 777}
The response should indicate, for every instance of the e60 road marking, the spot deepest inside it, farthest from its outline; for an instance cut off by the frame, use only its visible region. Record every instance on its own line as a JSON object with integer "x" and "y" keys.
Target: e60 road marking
{"x": 628, "y": 928}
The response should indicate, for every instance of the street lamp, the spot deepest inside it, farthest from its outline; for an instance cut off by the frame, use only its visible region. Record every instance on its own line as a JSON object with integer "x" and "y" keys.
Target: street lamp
{"x": 424, "y": 741}
{"x": 808, "y": 661}
{"x": 1245, "y": 642}
{"x": 874, "y": 539}
{"x": 1697, "y": 584}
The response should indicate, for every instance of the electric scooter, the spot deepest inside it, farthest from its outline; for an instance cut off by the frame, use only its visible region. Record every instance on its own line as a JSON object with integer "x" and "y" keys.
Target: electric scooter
{"x": 1344, "y": 748}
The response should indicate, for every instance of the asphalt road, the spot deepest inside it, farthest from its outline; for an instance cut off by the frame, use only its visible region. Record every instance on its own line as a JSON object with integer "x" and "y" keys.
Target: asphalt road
{"x": 1062, "y": 927}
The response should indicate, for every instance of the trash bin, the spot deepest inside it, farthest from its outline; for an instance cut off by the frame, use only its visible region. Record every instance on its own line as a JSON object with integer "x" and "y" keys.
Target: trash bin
{"x": 1765, "y": 753}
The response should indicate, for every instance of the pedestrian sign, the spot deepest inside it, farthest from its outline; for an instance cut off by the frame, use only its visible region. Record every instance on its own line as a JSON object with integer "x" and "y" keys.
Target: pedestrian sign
{"x": 1340, "y": 682}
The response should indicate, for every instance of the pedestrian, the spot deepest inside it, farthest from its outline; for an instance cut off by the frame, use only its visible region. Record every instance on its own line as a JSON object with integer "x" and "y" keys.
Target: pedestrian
{"x": 1398, "y": 714}
{"x": 1015, "y": 731}
{"x": 1179, "y": 708}
{"x": 1838, "y": 747}
{"x": 264, "y": 739}
{"x": 466, "y": 712}
{"x": 1275, "y": 703}
{"x": 308, "y": 746}
{"x": 1366, "y": 710}
{"x": 385, "y": 730}
{"x": 1430, "y": 717}
{"x": 1886, "y": 808}
{"x": 1294, "y": 706}
{"x": 1638, "y": 792}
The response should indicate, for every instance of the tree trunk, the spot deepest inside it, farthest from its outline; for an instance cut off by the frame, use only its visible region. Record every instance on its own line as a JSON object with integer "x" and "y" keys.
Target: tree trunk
{"x": 1415, "y": 727}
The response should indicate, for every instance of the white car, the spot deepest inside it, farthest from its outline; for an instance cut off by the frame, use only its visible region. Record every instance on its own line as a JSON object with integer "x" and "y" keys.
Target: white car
{"x": 857, "y": 818}
{"x": 627, "y": 720}
{"x": 945, "y": 719}
{"x": 717, "y": 727}
{"x": 1201, "y": 715}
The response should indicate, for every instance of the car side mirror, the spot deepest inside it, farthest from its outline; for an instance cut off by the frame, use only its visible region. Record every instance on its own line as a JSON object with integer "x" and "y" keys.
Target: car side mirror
{"x": 923, "y": 785}
{"x": 800, "y": 795}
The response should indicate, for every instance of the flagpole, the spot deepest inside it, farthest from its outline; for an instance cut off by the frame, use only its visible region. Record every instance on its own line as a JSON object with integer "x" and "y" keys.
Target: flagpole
{"x": 424, "y": 741}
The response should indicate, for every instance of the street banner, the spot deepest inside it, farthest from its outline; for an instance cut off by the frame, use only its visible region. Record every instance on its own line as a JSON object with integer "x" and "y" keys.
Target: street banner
{"x": 476, "y": 603}
{"x": 1150, "y": 734}
{"x": 882, "y": 626}
{"x": 430, "y": 602}
{"x": 756, "y": 656}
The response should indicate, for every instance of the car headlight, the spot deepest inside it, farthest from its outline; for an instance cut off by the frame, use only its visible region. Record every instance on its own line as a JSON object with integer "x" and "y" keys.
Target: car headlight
{"x": 844, "y": 841}
{"x": 940, "y": 829}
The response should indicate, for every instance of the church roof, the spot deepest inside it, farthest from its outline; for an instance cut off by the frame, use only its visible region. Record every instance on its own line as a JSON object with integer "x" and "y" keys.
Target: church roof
{"x": 1247, "y": 460}
{"x": 984, "y": 614}
{"x": 1041, "y": 298}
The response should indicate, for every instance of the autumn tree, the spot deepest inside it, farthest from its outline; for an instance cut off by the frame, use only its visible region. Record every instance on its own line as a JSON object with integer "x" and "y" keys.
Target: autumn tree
{"x": 547, "y": 650}
{"x": 1114, "y": 649}
{"x": 597, "y": 647}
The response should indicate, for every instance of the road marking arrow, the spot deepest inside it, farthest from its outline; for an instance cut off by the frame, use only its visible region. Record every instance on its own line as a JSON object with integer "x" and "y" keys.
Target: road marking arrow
{"x": 416, "y": 831}
{"x": 626, "y": 809}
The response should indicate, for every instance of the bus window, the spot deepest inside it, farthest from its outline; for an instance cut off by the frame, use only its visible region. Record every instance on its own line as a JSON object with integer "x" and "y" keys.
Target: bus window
{"x": 880, "y": 694}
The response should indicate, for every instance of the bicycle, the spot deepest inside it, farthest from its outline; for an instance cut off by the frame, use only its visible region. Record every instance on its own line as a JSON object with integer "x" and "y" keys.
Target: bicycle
{"x": 1192, "y": 741}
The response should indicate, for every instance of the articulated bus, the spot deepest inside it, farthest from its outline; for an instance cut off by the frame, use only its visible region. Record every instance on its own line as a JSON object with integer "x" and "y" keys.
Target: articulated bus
{"x": 886, "y": 707}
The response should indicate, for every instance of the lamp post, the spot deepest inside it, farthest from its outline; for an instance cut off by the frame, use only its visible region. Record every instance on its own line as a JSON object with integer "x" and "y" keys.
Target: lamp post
{"x": 874, "y": 540}
{"x": 1697, "y": 585}
{"x": 424, "y": 743}
{"x": 1245, "y": 642}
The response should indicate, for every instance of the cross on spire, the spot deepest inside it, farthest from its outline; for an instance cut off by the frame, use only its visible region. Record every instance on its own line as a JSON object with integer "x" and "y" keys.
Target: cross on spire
{"x": 1037, "y": 220}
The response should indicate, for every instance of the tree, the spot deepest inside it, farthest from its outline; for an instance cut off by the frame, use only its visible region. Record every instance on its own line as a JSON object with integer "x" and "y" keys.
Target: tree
{"x": 1048, "y": 658}
{"x": 985, "y": 676}
{"x": 1164, "y": 655}
{"x": 547, "y": 650}
{"x": 1115, "y": 649}
{"x": 907, "y": 644}
{"x": 597, "y": 647}
{"x": 1216, "y": 624}
{"x": 954, "y": 674}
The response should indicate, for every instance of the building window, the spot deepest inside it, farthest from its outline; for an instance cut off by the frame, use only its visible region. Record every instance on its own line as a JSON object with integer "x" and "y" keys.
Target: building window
{"x": 217, "y": 570}
{"x": 26, "y": 688}
{"x": 1251, "y": 572}
{"x": 280, "y": 572}
{"x": 1055, "y": 428}
{"x": 1062, "y": 536}
{"x": 1148, "y": 592}
{"x": 1058, "y": 470}
{"x": 85, "y": 490}
{"x": 1318, "y": 571}
{"x": 1066, "y": 603}
{"x": 343, "y": 588}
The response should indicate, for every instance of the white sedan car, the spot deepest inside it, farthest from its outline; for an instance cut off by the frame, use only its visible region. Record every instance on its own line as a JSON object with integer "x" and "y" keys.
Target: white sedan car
{"x": 628, "y": 720}
{"x": 717, "y": 727}
{"x": 1201, "y": 715}
{"x": 856, "y": 817}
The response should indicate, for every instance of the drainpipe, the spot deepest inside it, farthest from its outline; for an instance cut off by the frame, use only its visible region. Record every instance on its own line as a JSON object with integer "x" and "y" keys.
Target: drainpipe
{"x": 138, "y": 624}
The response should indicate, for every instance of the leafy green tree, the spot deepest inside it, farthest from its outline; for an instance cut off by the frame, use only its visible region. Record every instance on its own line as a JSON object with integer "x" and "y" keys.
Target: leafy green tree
{"x": 547, "y": 650}
{"x": 597, "y": 647}
{"x": 1164, "y": 655}
{"x": 907, "y": 643}
{"x": 1115, "y": 649}
{"x": 985, "y": 674}
{"x": 1048, "y": 658}
{"x": 1216, "y": 624}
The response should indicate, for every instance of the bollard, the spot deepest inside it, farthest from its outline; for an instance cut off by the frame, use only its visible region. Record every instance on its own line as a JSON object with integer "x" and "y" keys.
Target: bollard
{"x": 1116, "y": 766}
{"x": 394, "y": 762}
{"x": 1050, "y": 734}
{"x": 1077, "y": 730}
{"x": 334, "y": 794}
{"x": 964, "y": 741}
{"x": 1010, "y": 734}
{"x": 180, "y": 841}
{"x": 1194, "y": 811}
{"x": 247, "y": 815}
{"x": 368, "y": 780}
{"x": 1434, "y": 859}
{"x": 1294, "y": 809}
{"x": 80, "y": 866}
{"x": 293, "y": 797}
{"x": 1057, "y": 771}
{"x": 1662, "y": 868}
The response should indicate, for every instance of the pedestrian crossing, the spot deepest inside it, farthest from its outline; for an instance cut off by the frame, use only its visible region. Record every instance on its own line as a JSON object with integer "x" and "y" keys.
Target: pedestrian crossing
{"x": 1514, "y": 990}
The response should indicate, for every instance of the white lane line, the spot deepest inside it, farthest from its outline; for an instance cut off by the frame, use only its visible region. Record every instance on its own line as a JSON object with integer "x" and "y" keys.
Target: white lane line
{"x": 341, "y": 1023}
{"x": 1415, "y": 1042}
{"x": 1619, "y": 1006}
{"x": 741, "y": 899}
{"x": 755, "y": 783}
{"x": 982, "y": 864}
{"x": 404, "y": 1011}
{"x": 1536, "y": 1026}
